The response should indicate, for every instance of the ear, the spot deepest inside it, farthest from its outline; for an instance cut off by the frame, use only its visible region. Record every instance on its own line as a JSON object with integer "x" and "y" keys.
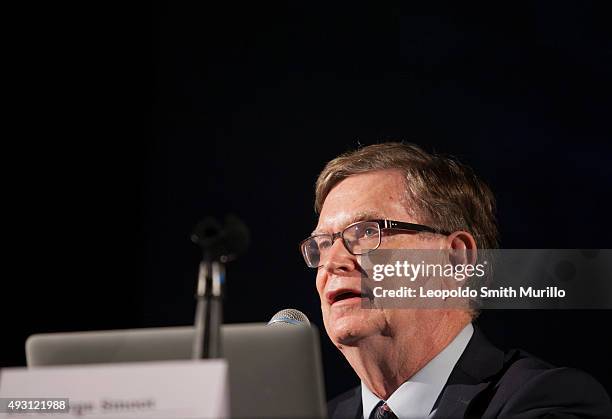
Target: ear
{"x": 461, "y": 248}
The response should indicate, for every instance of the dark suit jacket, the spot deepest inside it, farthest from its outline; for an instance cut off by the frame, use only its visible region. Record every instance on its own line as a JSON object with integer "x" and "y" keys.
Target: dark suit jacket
{"x": 488, "y": 383}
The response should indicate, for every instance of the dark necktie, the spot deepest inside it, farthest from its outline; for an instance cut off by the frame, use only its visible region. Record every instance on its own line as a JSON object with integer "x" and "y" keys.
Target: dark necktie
{"x": 382, "y": 411}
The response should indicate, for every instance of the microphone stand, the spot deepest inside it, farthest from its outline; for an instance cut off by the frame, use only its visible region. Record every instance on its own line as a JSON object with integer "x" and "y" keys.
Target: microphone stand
{"x": 220, "y": 243}
{"x": 209, "y": 309}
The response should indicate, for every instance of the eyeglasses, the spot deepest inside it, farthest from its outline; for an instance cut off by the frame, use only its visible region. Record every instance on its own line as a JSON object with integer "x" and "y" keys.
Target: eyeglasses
{"x": 358, "y": 238}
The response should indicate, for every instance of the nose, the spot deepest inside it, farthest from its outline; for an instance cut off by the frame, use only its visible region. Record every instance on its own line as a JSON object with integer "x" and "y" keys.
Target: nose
{"x": 338, "y": 258}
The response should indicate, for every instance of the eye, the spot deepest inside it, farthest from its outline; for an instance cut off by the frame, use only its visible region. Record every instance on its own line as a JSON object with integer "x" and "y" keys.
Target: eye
{"x": 370, "y": 231}
{"x": 324, "y": 243}
{"x": 365, "y": 231}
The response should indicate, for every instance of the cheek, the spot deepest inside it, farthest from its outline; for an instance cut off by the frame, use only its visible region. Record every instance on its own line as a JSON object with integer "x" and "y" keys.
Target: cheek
{"x": 320, "y": 283}
{"x": 408, "y": 241}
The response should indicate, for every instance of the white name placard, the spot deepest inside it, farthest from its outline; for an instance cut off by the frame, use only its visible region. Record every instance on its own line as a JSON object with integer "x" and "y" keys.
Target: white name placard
{"x": 152, "y": 390}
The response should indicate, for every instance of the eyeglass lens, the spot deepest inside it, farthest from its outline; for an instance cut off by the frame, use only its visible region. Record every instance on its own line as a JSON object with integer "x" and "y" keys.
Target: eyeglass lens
{"x": 358, "y": 239}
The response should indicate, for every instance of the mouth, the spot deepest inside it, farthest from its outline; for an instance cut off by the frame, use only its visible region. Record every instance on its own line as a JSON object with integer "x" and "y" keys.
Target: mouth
{"x": 345, "y": 295}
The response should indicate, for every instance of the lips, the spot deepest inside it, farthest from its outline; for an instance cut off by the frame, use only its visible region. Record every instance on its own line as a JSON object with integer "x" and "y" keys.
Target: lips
{"x": 341, "y": 294}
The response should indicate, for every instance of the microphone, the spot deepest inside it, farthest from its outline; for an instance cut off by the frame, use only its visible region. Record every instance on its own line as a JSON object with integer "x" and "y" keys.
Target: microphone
{"x": 289, "y": 316}
{"x": 220, "y": 243}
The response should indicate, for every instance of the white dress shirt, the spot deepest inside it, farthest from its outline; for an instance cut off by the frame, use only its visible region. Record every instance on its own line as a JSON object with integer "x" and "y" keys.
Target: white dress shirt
{"x": 417, "y": 396}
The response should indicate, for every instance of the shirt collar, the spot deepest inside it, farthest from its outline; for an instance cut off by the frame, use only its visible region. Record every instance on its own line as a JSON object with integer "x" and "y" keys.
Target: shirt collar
{"x": 416, "y": 397}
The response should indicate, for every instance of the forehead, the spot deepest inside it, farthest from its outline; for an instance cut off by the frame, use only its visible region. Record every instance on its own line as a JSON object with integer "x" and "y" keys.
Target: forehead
{"x": 379, "y": 194}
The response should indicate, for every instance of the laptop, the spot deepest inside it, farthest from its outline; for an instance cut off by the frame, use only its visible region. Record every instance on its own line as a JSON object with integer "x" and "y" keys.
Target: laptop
{"x": 274, "y": 372}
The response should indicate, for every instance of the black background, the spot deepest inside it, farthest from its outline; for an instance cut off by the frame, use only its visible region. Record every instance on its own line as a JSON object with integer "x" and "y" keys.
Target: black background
{"x": 138, "y": 122}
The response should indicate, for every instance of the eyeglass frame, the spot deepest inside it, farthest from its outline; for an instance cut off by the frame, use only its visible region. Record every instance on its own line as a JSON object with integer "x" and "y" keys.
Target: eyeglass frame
{"x": 382, "y": 225}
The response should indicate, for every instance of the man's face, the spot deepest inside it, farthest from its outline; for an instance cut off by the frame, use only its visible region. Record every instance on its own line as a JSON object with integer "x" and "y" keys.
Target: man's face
{"x": 380, "y": 195}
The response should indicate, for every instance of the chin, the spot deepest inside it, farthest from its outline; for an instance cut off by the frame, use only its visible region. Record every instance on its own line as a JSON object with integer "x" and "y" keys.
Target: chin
{"x": 347, "y": 329}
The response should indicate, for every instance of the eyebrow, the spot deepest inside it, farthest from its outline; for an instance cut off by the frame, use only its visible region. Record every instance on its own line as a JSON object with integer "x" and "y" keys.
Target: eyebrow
{"x": 360, "y": 216}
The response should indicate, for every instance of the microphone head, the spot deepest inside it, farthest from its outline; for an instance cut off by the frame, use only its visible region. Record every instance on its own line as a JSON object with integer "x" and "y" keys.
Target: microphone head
{"x": 289, "y": 316}
{"x": 224, "y": 241}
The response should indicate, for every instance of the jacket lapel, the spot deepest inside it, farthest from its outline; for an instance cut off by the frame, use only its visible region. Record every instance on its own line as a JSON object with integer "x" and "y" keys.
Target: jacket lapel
{"x": 473, "y": 373}
{"x": 349, "y": 405}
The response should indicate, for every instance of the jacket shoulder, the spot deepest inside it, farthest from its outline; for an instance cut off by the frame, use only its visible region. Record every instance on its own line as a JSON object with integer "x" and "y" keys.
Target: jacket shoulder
{"x": 529, "y": 387}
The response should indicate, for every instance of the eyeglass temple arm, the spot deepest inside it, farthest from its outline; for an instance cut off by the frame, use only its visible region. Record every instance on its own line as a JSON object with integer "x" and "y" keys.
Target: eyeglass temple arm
{"x": 411, "y": 226}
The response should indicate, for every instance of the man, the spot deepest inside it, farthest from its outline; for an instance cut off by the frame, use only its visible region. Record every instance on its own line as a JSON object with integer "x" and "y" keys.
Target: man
{"x": 418, "y": 363}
